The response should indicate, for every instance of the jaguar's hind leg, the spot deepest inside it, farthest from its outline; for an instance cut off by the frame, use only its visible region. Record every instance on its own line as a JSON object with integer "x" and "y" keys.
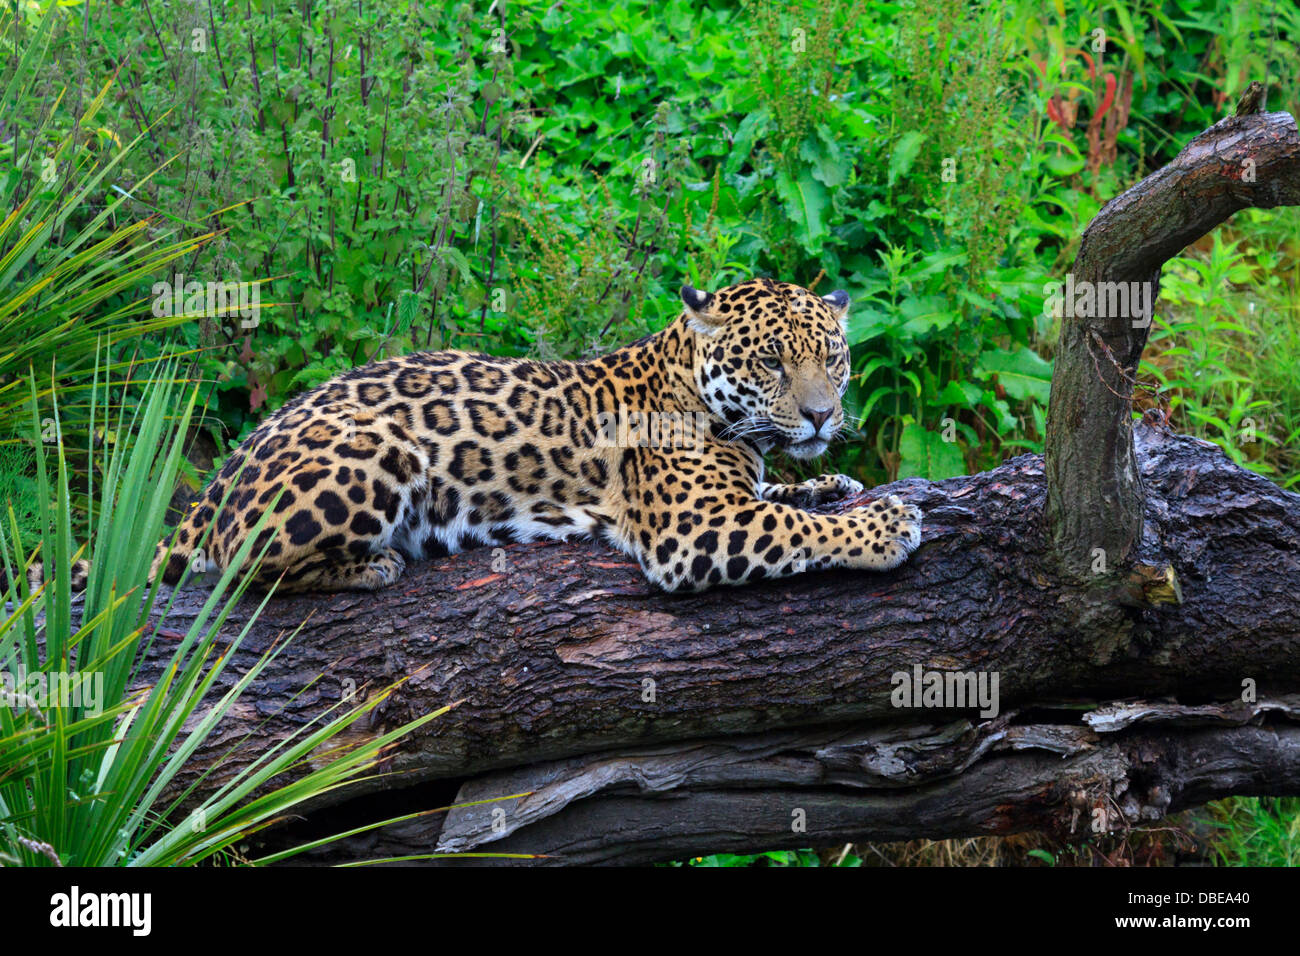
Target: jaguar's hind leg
{"x": 336, "y": 570}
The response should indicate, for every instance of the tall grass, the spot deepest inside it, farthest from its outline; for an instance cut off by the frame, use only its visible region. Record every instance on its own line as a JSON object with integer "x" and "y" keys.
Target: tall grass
{"x": 1255, "y": 831}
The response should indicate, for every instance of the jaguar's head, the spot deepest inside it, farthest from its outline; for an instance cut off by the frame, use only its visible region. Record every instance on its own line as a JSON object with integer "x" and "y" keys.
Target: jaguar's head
{"x": 771, "y": 360}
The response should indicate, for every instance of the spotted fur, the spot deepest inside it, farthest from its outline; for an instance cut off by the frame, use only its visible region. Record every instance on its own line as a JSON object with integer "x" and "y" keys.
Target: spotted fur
{"x": 432, "y": 453}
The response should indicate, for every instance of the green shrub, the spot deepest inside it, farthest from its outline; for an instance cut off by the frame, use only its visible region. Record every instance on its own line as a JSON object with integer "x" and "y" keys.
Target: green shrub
{"x": 73, "y": 262}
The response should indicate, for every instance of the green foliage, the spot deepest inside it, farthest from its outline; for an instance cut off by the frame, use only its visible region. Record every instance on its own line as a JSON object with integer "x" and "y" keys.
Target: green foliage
{"x": 18, "y": 488}
{"x": 1226, "y": 347}
{"x": 540, "y": 178}
{"x": 925, "y": 454}
{"x": 346, "y": 156}
{"x": 86, "y": 756}
{"x": 783, "y": 858}
{"x": 1255, "y": 831}
{"x": 72, "y": 260}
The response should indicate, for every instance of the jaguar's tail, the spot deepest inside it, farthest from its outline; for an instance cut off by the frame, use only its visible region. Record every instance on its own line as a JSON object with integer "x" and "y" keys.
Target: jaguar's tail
{"x": 182, "y": 545}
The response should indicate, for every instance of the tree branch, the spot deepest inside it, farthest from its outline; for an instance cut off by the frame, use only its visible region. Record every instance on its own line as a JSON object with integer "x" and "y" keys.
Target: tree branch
{"x": 1094, "y": 493}
{"x": 550, "y": 653}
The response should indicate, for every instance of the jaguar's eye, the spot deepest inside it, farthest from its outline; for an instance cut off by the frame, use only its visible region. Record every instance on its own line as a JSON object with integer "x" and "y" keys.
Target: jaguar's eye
{"x": 771, "y": 362}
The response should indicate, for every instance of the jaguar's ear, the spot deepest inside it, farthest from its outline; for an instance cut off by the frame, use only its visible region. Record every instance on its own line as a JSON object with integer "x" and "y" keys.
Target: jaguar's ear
{"x": 839, "y": 303}
{"x": 701, "y": 312}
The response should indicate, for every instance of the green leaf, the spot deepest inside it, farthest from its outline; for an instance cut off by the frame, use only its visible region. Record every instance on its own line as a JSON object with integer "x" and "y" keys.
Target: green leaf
{"x": 905, "y": 152}
{"x": 312, "y": 375}
{"x": 457, "y": 259}
{"x": 1022, "y": 373}
{"x": 867, "y": 323}
{"x": 927, "y": 313}
{"x": 408, "y": 308}
{"x": 823, "y": 153}
{"x": 1063, "y": 164}
{"x": 751, "y": 128}
{"x": 926, "y": 455}
{"x": 952, "y": 394}
{"x": 882, "y": 392}
{"x": 807, "y": 203}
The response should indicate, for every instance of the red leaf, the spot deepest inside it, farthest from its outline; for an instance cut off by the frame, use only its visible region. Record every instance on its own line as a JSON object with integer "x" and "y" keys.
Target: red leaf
{"x": 1109, "y": 98}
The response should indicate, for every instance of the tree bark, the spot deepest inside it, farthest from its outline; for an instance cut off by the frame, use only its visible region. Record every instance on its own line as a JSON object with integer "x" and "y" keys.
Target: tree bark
{"x": 792, "y": 789}
{"x": 649, "y": 726}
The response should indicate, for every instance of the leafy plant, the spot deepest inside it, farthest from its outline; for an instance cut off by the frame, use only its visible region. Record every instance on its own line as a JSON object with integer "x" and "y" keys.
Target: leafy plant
{"x": 1208, "y": 364}
{"x": 86, "y": 757}
{"x": 68, "y": 265}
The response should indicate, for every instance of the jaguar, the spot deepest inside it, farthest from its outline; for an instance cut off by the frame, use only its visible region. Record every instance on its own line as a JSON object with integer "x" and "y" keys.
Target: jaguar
{"x": 431, "y": 453}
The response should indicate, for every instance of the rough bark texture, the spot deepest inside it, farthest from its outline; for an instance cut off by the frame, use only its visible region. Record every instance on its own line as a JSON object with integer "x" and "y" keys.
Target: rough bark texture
{"x": 1095, "y": 495}
{"x": 791, "y": 789}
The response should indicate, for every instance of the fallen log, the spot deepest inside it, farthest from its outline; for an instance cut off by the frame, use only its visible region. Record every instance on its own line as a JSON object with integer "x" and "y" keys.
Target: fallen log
{"x": 563, "y": 651}
{"x": 792, "y": 789}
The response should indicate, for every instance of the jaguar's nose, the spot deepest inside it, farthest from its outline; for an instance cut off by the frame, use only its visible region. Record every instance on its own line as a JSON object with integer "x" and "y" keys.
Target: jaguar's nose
{"x": 817, "y": 416}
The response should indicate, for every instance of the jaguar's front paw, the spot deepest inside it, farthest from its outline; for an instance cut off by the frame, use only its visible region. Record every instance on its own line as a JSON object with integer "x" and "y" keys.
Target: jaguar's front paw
{"x": 838, "y": 486}
{"x": 893, "y": 531}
